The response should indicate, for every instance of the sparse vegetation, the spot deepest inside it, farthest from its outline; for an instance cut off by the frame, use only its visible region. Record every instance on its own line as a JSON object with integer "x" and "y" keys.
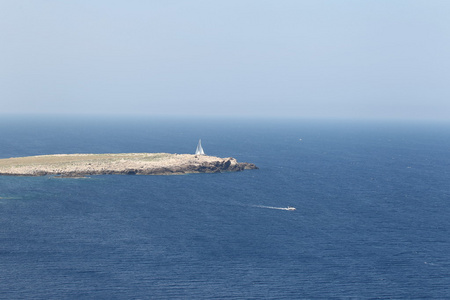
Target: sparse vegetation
{"x": 119, "y": 163}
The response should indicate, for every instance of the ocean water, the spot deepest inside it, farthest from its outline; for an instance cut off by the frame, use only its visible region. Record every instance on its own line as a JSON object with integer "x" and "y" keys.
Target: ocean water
{"x": 372, "y": 218}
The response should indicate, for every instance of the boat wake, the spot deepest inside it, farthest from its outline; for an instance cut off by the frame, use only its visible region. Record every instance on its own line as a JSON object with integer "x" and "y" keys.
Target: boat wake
{"x": 273, "y": 207}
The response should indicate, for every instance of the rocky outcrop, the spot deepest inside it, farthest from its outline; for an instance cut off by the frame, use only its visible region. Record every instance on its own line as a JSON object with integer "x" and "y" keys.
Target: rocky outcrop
{"x": 77, "y": 165}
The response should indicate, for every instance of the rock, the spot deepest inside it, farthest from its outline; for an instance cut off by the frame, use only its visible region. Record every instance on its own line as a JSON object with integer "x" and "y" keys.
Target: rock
{"x": 79, "y": 165}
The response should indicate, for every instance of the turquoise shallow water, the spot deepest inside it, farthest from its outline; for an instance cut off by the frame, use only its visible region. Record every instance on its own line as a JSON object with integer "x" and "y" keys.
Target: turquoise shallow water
{"x": 372, "y": 216}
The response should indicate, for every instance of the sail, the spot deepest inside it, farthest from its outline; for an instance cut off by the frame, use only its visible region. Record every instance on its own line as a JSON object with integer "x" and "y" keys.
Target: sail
{"x": 199, "y": 150}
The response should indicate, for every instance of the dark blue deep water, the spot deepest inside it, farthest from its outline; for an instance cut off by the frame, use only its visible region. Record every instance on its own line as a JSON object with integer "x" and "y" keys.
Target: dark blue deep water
{"x": 372, "y": 218}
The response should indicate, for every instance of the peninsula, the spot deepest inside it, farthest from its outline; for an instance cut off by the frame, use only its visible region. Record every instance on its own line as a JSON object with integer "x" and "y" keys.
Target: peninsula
{"x": 77, "y": 165}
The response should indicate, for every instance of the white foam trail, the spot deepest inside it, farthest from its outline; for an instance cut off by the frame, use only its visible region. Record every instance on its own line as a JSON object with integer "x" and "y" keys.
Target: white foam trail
{"x": 272, "y": 207}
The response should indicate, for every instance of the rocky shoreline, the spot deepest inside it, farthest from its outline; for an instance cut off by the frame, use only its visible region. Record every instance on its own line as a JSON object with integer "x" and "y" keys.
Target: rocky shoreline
{"x": 80, "y": 165}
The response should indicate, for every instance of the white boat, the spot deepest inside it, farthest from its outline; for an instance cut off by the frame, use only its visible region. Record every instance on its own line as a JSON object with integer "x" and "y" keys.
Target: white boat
{"x": 199, "y": 150}
{"x": 290, "y": 208}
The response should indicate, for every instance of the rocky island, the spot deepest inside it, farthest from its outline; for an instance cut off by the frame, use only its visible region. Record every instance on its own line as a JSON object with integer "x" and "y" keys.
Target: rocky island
{"x": 77, "y": 165}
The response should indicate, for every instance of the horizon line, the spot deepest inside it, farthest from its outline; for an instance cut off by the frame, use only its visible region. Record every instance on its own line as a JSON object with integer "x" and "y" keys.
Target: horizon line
{"x": 229, "y": 116}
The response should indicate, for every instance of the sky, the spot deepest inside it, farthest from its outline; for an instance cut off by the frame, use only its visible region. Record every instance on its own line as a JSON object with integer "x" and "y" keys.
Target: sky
{"x": 291, "y": 58}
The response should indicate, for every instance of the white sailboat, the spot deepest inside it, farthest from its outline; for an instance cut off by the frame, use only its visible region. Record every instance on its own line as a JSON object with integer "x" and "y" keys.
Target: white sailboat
{"x": 199, "y": 150}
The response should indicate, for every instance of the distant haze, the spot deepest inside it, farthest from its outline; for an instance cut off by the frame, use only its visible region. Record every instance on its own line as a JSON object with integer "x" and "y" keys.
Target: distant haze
{"x": 327, "y": 59}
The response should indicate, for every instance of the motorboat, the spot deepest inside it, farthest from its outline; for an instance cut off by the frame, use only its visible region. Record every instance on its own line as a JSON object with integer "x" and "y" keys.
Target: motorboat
{"x": 290, "y": 208}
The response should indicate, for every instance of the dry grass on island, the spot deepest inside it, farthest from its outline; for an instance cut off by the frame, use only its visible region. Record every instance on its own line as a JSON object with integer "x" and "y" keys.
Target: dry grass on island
{"x": 73, "y": 165}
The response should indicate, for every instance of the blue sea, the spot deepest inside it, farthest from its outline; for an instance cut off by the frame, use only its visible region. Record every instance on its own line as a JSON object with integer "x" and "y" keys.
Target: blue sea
{"x": 372, "y": 218}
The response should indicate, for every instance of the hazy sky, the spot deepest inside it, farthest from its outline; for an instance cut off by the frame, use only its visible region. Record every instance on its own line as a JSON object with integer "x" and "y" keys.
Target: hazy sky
{"x": 309, "y": 58}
